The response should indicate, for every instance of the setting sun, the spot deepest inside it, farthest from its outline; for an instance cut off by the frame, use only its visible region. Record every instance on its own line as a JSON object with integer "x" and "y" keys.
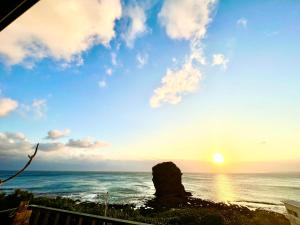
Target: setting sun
{"x": 218, "y": 158}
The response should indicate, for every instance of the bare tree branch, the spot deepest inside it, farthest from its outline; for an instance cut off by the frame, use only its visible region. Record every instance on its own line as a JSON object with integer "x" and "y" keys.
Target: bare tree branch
{"x": 21, "y": 170}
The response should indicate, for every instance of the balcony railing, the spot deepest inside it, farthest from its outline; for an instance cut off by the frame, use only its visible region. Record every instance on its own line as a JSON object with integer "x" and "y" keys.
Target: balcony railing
{"x": 42, "y": 215}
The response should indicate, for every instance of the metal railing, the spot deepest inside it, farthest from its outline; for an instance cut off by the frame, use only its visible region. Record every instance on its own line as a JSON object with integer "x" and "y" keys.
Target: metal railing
{"x": 7, "y": 215}
{"x": 8, "y": 211}
{"x": 51, "y": 216}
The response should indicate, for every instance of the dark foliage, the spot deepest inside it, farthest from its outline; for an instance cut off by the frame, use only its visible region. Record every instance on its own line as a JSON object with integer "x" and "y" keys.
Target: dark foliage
{"x": 193, "y": 212}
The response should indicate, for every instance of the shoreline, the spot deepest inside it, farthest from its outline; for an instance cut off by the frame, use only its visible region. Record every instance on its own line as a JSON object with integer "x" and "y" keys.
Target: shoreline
{"x": 96, "y": 197}
{"x": 125, "y": 187}
{"x": 155, "y": 211}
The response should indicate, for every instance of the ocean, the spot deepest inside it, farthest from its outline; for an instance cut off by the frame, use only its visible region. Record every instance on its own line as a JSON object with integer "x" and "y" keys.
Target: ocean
{"x": 252, "y": 190}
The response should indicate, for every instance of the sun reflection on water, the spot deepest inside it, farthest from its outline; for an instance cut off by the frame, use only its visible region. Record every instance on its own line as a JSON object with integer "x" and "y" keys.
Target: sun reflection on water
{"x": 223, "y": 188}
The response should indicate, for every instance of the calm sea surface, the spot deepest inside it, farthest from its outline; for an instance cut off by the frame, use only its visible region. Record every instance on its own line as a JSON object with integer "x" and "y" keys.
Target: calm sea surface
{"x": 252, "y": 190}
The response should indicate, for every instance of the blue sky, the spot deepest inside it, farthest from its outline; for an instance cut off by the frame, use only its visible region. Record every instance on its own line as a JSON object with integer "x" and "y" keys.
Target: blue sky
{"x": 123, "y": 83}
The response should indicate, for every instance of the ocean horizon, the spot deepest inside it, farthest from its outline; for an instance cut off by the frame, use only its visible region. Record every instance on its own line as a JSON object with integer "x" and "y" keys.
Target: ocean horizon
{"x": 254, "y": 190}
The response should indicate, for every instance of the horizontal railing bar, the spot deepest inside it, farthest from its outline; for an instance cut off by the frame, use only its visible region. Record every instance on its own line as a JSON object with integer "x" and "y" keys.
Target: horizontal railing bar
{"x": 8, "y": 210}
{"x": 102, "y": 218}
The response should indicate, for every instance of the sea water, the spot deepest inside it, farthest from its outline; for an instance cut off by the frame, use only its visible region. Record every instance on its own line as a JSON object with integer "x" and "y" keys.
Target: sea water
{"x": 252, "y": 190}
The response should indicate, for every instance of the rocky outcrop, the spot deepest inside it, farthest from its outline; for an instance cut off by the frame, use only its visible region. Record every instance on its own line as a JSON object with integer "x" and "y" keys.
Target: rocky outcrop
{"x": 167, "y": 183}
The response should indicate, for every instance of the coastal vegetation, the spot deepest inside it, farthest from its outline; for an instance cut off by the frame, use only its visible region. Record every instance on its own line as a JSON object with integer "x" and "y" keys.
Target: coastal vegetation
{"x": 195, "y": 211}
{"x": 171, "y": 205}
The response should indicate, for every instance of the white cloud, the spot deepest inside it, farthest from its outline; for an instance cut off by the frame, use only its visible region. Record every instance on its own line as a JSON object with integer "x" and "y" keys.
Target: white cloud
{"x": 13, "y": 144}
{"x": 136, "y": 24}
{"x": 7, "y": 105}
{"x": 86, "y": 143}
{"x": 109, "y": 71}
{"x": 17, "y": 145}
{"x": 175, "y": 84}
{"x": 14, "y": 136}
{"x": 36, "y": 109}
{"x": 114, "y": 58}
{"x": 243, "y": 22}
{"x": 58, "y": 29}
{"x": 220, "y": 60}
{"x": 183, "y": 19}
{"x": 56, "y": 134}
{"x": 141, "y": 59}
{"x": 102, "y": 83}
{"x": 39, "y": 107}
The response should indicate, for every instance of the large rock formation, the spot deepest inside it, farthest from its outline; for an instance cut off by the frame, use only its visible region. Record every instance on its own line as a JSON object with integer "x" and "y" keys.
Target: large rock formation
{"x": 167, "y": 182}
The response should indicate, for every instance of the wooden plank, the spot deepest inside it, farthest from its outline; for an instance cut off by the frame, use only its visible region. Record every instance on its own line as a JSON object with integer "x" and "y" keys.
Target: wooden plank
{"x": 80, "y": 221}
{"x": 98, "y": 218}
{"x": 56, "y": 220}
{"x": 68, "y": 220}
{"x": 46, "y": 218}
{"x": 36, "y": 218}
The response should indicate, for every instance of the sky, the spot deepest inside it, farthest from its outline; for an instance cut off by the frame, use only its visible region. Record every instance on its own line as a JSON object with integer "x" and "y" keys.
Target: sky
{"x": 121, "y": 85}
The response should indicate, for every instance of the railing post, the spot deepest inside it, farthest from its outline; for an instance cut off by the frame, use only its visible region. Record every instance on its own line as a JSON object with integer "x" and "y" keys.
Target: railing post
{"x": 68, "y": 220}
{"x": 66, "y": 217}
{"x": 36, "y": 218}
{"x": 80, "y": 221}
{"x": 46, "y": 218}
{"x": 56, "y": 218}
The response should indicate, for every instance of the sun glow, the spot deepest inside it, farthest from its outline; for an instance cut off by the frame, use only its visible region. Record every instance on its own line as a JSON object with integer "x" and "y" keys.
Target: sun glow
{"x": 218, "y": 158}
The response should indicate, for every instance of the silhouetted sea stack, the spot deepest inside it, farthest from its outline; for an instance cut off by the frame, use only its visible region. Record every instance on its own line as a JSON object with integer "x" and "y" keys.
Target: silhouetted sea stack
{"x": 167, "y": 183}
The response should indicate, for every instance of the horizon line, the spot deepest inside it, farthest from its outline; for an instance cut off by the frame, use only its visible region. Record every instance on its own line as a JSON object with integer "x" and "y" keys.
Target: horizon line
{"x": 140, "y": 171}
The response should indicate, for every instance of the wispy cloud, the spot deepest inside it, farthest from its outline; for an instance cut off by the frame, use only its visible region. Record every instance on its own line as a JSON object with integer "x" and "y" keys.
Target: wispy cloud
{"x": 7, "y": 105}
{"x": 220, "y": 60}
{"x": 109, "y": 71}
{"x": 114, "y": 58}
{"x": 136, "y": 16}
{"x": 39, "y": 107}
{"x": 102, "y": 84}
{"x": 242, "y": 22}
{"x": 272, "y": 33}
{"x": 188, "y": 20}
{"x": 141, "y": 59}
{"x": 62, "y": 33}
{"x": 86, "y": 143}
{"x": 36, "y": 109}
{"x": 56, "y": 134}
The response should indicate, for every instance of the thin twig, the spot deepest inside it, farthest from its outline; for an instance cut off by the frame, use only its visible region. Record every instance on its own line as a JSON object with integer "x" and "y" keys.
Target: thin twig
{"x": 26, "y": 165}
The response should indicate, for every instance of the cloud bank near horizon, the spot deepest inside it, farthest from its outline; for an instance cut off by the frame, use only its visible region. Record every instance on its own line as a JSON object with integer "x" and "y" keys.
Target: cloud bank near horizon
{"x": 15, "y": 145}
